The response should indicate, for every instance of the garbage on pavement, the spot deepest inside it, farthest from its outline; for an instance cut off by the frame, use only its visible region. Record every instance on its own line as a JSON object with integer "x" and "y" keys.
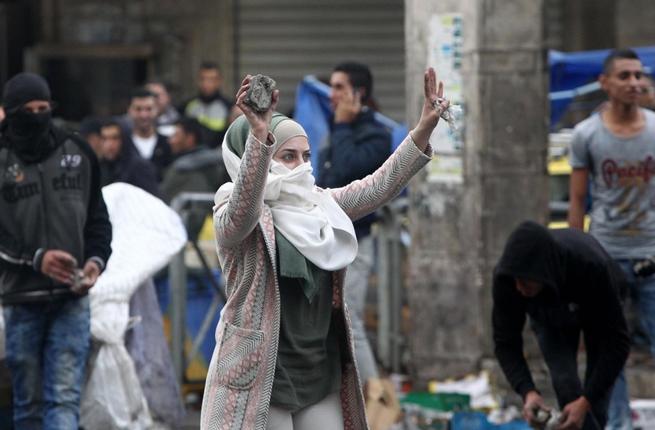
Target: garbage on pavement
{"x": 643, "y": 414}
{"x": 463, "y": 404}
{"x": 382, "y": 406}
{"x": 475, "y": 386}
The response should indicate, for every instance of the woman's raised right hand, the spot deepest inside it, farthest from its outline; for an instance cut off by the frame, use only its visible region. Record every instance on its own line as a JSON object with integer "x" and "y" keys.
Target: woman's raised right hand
{"x": 259, "y": 121}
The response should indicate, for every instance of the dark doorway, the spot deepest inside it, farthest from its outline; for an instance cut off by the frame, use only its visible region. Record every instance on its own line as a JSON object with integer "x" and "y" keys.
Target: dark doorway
{"x": 92, "y": 80}
{"x": 16, "y": 33}
{"x": 99, "y": 87}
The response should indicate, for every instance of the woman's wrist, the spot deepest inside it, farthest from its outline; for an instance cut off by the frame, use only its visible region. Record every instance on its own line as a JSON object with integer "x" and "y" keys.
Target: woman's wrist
{"x": 424, "y": 129}
{"x": 420, "y": 136}
{"x": 261, "y": 134}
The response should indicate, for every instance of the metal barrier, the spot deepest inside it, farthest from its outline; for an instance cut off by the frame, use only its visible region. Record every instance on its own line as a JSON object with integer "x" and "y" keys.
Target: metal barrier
{"x": 390, "y": 339}
{"x": 183, "y": 204}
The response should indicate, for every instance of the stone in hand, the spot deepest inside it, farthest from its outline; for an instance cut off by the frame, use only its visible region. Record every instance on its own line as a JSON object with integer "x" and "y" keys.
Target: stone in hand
{"x": 260, "y": 93}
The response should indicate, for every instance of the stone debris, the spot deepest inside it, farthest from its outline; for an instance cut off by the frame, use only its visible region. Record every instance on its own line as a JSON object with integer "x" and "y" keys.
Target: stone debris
{"x": 260, "y": 93}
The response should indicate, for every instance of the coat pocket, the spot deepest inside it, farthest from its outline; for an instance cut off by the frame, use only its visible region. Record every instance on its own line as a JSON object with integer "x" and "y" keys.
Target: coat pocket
{"x": 240, "y": 357}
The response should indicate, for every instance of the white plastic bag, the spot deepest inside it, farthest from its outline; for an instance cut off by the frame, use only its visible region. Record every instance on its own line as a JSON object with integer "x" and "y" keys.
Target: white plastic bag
{"x": 113, "y": 399}
{"x": 146, "y": 235}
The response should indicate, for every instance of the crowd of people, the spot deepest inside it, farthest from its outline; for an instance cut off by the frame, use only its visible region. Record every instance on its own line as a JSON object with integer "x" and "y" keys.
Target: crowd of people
{"x": 55, "y": 229}
{"x": 165, "y": 151}
{"x": 291, "y": 351}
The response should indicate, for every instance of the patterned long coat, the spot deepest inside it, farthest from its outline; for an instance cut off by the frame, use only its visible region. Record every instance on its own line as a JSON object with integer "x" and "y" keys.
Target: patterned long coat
{"x": 240, "y": 377}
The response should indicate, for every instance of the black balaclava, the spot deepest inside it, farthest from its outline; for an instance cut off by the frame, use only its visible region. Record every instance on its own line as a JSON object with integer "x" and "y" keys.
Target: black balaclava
{"x": 26, "y": 133}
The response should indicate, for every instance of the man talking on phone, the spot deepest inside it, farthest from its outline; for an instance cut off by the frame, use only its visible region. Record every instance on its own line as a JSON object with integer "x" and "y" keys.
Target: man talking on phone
{"x": 358, "y": 145}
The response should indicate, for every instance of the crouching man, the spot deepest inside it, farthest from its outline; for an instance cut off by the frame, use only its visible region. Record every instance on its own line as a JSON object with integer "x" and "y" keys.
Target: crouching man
{"x": 567, "y": 285}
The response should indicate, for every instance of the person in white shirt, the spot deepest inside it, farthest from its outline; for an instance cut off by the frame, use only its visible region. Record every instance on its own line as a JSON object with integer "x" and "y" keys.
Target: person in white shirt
{"x": 142, "y": 113}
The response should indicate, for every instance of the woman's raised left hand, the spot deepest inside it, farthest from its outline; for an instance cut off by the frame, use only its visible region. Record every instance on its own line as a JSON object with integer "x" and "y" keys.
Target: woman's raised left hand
{"x": 434, "y": 104}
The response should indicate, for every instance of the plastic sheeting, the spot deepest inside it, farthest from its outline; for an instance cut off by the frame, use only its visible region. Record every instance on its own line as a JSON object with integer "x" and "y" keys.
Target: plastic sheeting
{"x": 112, "y": 397}
{"x": 152, "y": 359}
{"x": 146, "y": 235}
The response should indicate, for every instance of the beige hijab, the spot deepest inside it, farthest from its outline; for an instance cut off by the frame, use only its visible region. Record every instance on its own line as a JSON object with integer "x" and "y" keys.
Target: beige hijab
{"x": 307, "y": 216}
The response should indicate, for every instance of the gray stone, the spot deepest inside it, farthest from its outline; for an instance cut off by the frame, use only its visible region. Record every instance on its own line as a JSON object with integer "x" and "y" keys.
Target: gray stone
{"x": 260, "y": 93}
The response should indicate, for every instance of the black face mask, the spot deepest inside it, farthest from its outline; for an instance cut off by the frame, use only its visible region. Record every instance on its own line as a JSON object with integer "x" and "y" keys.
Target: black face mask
{"x": 22, "y": 125}
{"x": 28, "y": 134}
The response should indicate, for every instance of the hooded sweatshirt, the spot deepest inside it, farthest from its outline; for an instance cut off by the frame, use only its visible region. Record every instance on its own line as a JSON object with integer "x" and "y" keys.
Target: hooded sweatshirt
{"x": 576, "y": 274}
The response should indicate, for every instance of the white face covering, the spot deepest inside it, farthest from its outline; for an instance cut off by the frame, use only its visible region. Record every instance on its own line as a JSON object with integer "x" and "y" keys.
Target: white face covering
{"x": 305, "y": 215}
{"x": 294, "y": 186}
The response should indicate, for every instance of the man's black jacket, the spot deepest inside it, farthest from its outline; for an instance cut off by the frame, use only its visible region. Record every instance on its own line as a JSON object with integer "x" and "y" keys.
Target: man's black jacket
{"x": 55, "y": 203}
{"x": 355, "y": 150}
{"x": 161, "y": 158}
{"x": 575, "y": 271}
{"x": 130, "y": 167}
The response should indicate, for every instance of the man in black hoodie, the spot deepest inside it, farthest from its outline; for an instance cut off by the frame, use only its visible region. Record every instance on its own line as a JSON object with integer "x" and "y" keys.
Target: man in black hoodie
{"x": 567, "y": 284}
{"x": 55, "y": 240}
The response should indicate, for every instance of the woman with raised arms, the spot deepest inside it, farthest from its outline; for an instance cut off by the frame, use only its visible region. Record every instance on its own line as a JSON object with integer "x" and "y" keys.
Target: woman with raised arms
{"x": 284, "y": 357}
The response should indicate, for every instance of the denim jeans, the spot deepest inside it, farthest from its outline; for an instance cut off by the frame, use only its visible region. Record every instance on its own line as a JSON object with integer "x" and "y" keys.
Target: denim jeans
{"x": 619, "y": 415}
{"x": 47, "y": 347}
{"x": 559, "y": 346}
{"x": 642, "y": 291}
{"x": 355, "y": 288}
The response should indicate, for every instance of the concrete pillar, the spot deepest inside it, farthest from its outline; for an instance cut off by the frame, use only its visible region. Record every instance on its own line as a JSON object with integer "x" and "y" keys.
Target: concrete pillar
{"x": 634, "y": 21}
{"x": 593, "y": 24}
{"x": 458, "y": 229}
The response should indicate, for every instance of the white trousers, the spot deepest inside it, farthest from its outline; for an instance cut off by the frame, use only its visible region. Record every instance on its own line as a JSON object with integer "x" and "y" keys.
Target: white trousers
{"x": 355, "y": 288}
{"x": 324, "y": 415}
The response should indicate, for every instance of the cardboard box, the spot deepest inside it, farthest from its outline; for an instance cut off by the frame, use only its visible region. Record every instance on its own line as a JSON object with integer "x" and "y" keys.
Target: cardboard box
{"x": 382, "y": 406}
